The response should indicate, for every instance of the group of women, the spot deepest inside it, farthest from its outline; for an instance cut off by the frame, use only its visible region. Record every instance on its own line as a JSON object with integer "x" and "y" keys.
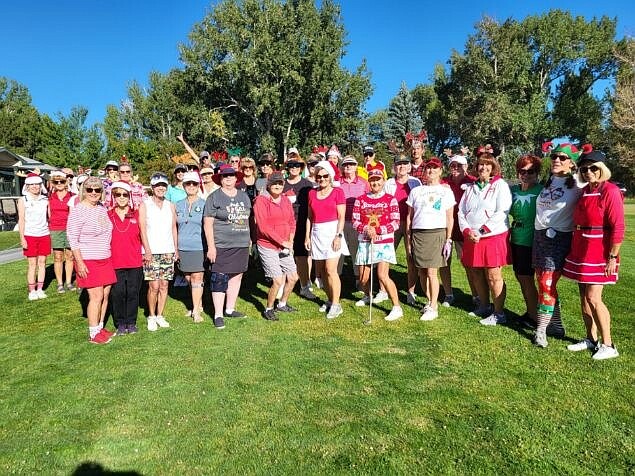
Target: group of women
{"x": 573, "y": 225}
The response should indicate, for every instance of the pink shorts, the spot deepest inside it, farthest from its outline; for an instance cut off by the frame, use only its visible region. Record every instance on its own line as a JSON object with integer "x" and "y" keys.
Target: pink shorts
{"x": 489, "y": 252}
{"x": 37, "y": 246}
{"x": 100, "y": 273}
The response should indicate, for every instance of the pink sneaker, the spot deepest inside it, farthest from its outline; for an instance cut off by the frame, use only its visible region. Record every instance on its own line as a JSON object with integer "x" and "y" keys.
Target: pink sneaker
{"x": 100, "y": 338}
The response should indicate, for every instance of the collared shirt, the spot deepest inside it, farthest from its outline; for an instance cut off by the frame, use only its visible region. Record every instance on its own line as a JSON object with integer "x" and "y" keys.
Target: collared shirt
{"x": 352, "y": 189}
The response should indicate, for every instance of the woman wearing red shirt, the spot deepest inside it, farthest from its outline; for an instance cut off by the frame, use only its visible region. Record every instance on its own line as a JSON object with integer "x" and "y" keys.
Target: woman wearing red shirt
{"x": 125, "y": 247}
{"x": 58, "y": 216}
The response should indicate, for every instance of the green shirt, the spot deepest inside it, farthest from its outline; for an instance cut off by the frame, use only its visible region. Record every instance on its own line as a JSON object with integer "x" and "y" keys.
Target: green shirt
{"x": 523, "y": 212}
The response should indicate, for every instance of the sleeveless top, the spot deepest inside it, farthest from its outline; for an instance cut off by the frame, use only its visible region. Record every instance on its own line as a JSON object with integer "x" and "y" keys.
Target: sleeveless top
{"x": 159, "y": 227}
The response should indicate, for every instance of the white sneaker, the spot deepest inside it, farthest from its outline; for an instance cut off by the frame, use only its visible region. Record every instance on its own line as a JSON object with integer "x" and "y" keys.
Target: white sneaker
{"x": 33, "y": 296}
{"x": 152, "y": 323}
{"x": 395, "y": 313}
{"x": 605, "y": 352}
{"x": 481, "y": 311}
{"x": 325, "y": 307}
{"x": 306, "y": 292}
{"x": 336, "y": 310}
{"x": 381, "y": 296}
{"x": 429, "y": 314}
{"x": 585, "y": 344}
{"x": 41, "y": 294}
{"x": 494, "y": 319}
{"x": 448, "y": 301}
{"x": 160, "y": 320}
{"x": 411, "y": 299}
{"x": 363, "y": 301}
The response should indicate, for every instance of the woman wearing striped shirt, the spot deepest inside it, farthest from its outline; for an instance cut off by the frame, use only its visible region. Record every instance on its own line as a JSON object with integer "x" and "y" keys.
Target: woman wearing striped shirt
{"x": 89, "y": 231}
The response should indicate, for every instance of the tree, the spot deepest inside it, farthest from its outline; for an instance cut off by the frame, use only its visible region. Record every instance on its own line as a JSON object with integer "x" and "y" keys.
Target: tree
{"x": 273, "y": 68}
{"x": 20, "y": 123}
{"x": 520, "y": 82}
{"x": 622, "y": 122}
{"x": 403, "y": 115}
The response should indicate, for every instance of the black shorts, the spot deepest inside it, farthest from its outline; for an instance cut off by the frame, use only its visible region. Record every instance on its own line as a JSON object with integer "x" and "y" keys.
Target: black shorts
{"x": 521, "y": 260}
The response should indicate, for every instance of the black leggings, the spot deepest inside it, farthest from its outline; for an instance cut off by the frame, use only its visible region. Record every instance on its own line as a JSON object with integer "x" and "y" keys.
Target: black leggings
{"x": 124, "y": 296}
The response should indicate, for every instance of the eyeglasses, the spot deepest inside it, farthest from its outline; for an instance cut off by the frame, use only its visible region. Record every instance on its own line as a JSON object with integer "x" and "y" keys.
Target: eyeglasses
{"x": 59, "y": 182}
{"x": 190, "y": 184}
{"x": 591, "y": 168}
{"x": 322, "y": 177}
{"x": 93, "y": 190}
{"x": 125, "y": 171}
{"x": 526, "y": 171}
{"x": 237, "y": 161}
{"x": 121, "y": 194}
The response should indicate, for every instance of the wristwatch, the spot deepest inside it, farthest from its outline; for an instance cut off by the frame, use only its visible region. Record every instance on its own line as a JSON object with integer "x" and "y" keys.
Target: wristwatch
{"x": 612, "y": 256}
{"x": 339, "y": 235}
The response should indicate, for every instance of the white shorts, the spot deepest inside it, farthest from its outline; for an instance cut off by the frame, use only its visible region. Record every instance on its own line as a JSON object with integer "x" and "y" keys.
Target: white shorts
{"x": 322, "y": 236}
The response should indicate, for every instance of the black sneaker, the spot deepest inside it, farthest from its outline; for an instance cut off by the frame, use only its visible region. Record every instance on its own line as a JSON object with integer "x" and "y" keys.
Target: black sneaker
{"x": 270, "y": 315}
{"x": 234, "y": 314}
{"x": 219, "y": 323}
{"x": 286, "y": 308}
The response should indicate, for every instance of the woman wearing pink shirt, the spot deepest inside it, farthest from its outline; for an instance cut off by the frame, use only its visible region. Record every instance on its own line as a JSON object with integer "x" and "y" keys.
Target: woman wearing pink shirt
{"x": 325, "y": 232}
{"x": 89, "y": 231}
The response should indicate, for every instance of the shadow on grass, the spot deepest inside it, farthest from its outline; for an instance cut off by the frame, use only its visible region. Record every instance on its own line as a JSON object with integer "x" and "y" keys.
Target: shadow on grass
{"x": 91, "y": 468}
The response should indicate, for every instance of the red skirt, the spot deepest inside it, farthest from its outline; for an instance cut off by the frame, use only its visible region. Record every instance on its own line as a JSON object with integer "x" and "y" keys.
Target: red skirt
{"x": 586, "y": 261}
{"x": 489, "y": 252}
{"x": 100, "y": 273}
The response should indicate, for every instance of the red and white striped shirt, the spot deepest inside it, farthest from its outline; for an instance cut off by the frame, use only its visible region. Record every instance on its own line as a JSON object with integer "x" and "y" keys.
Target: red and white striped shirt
{"x": 89, "y": 230}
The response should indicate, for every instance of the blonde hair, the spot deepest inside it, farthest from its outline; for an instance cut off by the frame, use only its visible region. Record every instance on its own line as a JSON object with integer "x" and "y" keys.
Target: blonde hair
{"x": 605, "y": 173}
{"x": 92, "y": 182}
{"x": 247, "y": 161}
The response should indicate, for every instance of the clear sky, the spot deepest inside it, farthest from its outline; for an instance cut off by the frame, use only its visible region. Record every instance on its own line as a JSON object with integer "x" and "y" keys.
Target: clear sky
{"x": 85, "y": 52}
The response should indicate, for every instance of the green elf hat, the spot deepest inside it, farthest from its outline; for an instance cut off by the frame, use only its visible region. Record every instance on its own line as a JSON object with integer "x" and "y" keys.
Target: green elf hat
{"x": 569, "y": 150}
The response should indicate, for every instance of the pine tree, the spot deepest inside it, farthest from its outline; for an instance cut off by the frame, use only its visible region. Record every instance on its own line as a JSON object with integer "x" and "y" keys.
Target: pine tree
{"x": 403, "y": 115}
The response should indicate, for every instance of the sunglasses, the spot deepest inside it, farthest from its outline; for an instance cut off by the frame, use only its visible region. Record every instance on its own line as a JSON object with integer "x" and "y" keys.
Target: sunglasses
{"x": 93, "y": 190}
{"x": 526, "y": 171}
{"x": 591, "y": 168}
{"x": 311, "y": 164}
{"x": 369, "y": 154}
{"x": 125, "y": 171}
{"x": 190, "y": 184}
{"x": 70, "y": 176}
{"x": 248, "y": 167}
{"x": 294, "y": 166}
{"x": 59, "y": 182}
{"x": 560, "y": 157}
{"x": 228, "y": 175}
{"x": 322, "y": 177}
{"x": 111, "y": 170}
{"x": 262, "y": 164}
{"x": 121, "y": 194}
{"x": 206, "y": 174}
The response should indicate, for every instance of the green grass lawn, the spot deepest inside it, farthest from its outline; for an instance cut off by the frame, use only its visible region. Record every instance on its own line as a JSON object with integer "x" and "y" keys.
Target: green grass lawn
{"x": 9, "y": 239}
{"x": 307, "y": 396}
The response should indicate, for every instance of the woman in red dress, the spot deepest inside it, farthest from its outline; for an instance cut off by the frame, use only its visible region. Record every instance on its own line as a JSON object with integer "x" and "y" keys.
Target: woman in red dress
{"x": 594, "y": 257}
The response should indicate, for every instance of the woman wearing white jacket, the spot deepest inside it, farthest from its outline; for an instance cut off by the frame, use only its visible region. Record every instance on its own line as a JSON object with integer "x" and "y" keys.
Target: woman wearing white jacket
{"x": 483, "y": 221}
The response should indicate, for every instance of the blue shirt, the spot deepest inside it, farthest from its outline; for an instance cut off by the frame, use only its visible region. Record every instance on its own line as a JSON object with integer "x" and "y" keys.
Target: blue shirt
{"x": 189, "y": 220}
{"x": 175, "y": 194}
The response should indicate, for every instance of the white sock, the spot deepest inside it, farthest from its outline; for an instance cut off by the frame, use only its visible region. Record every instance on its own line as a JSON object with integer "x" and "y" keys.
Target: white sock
{"x": 282, "y": 303}
{"x": 93, "y": 331}
{"x": 100, "y": 326}
{"x": 228, "y": 311}
{"x": 269, "y": 309}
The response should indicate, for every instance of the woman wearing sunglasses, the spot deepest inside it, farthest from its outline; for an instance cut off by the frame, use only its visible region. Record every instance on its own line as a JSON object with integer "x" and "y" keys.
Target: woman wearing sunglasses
{"x": 89, "y": 232}
{"x": 325, "y": 234}
{"x": 594, "y": 257}
{"x": 127, "y": 259}
{"x": 523, "y": 214}
{"x": 189, "y": 221}
{"x": 226, "y": 226}
{"x": 553, "y": 229}
{"x": 58, "y": 217}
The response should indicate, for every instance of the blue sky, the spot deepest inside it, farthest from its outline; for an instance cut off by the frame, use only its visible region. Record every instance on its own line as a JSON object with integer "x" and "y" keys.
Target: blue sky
{"x": 85, "y": 52}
